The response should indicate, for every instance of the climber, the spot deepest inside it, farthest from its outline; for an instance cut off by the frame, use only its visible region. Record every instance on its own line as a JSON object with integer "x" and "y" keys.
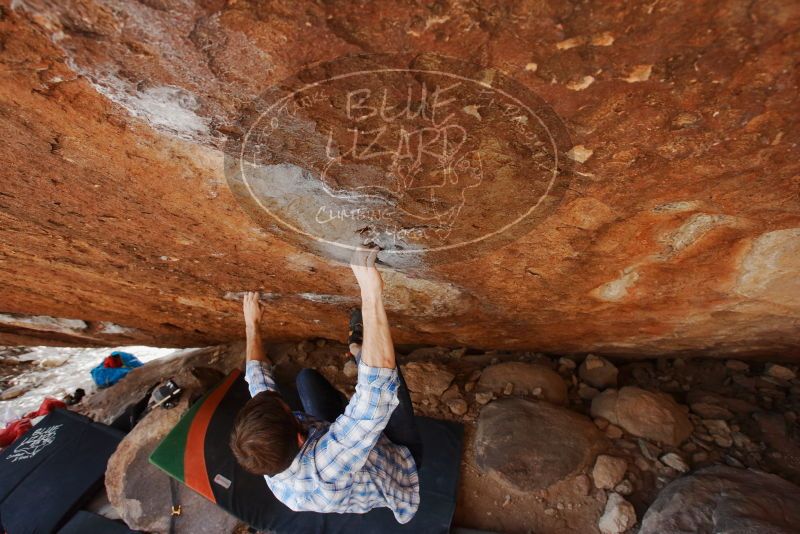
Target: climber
{"x": 334, "y": 456}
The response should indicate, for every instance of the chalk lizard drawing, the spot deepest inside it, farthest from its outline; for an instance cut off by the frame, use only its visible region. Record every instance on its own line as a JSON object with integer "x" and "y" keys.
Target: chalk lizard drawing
{"x": 33, "y": 444}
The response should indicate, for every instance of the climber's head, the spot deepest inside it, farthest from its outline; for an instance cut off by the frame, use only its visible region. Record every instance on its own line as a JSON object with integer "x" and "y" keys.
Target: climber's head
{"x": 266, "y": 436}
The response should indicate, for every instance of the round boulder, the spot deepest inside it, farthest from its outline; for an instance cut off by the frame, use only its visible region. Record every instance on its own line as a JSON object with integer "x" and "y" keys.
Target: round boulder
{"x": 532, "y": 445}
{"x": 645, "y": 414}
{"x": 725, "y": 499}
{"x": 598, "y": 372}
{"x": 526, "y": 379}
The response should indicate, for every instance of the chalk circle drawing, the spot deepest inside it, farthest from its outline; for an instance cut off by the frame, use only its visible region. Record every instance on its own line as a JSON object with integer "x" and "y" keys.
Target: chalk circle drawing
{"x": 33, "y": 444}
{"x": 430, "y": 158}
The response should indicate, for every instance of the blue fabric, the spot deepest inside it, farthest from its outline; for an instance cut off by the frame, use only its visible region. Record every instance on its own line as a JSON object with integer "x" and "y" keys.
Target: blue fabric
{"x": 108, "y": 376}
{"x": 319, "y": 398}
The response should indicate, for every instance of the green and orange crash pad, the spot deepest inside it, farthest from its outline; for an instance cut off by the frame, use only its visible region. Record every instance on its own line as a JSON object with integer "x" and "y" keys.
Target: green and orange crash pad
{"x": 196, "y": 453}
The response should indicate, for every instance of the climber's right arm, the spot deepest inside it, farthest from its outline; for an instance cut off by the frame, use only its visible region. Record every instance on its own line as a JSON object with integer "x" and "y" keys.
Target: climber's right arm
{"x": 252, "y": 321}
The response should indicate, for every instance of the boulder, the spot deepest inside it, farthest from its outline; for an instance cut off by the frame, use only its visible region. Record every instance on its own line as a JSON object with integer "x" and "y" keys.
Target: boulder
{"x": 732, "y": 404}
{"x": 427, "y": 378}
{"x": 458, "y": 406}
{"x": 737, "y": 365}
{"x": 624, "y": 488}
{"x": 608, "y": 471}
{"x": 618, "y": 516}
{"x": 648, "y": 450}
{"x": 722, "y": 499}
{"x": 717, "y": 427}
{"x": 532, "y": 445}
{"x": 140, "y": 492}
{"x": 196, "y": 368}
{"x": 598, "y": 372}
{"x": 649, "y": 415}
{"x": 566, "y": 365}
{"x": 527, "y": 379}
{"x": 587, "y": 392}
{"x": 123, "y": 176}
{"x": 719, "y": 431}
{"x": 675, "y": 461}
{"x": 483, "y": 397}
{"x": 452, "y": 399}
{"x": 14, "y": 391}
{"x": 707, "y": 410}
{"x": 779, "y": 371}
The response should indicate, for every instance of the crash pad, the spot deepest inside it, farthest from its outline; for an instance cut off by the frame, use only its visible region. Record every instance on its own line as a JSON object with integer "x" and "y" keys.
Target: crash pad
{"x": 85, "y": 522}
{"x": 196, "y": 452}
{"x": 52, "y": 470}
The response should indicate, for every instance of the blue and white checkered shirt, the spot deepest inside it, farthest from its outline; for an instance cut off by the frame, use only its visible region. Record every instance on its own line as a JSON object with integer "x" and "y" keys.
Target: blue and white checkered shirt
{"x": 348, "y": 465}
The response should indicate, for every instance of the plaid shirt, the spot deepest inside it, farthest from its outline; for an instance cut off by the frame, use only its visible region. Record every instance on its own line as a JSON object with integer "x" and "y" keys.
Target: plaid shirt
{"x": 348, "y": 465}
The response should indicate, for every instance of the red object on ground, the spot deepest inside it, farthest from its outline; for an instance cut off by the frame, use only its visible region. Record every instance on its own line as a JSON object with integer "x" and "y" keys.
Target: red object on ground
{"x": 48, "y": 405}
{"x": 18, "y": 427}
{"x": 112, "y": 361}
{"x": 13, "y": 430}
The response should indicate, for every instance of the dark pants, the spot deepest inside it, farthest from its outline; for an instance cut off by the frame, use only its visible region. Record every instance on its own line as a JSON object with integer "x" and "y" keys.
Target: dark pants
{"x": 321, "y": 400}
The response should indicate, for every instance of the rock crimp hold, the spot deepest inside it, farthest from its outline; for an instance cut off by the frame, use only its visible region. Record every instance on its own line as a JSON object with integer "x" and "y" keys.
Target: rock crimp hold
{"x": 725, "y": 499}
{"x": 531, "y": 445}
{"x": 528, "y": 379}
{"x": 645, "y": 414}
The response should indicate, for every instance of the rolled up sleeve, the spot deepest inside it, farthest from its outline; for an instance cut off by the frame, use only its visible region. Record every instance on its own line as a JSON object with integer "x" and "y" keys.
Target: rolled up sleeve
{"x": 259, "y": 376}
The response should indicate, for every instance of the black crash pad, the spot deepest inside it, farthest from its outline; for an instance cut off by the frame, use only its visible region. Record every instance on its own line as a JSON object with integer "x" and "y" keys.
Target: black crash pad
{"x": 52, "y": 470}
{"x": 88, "y": 523}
